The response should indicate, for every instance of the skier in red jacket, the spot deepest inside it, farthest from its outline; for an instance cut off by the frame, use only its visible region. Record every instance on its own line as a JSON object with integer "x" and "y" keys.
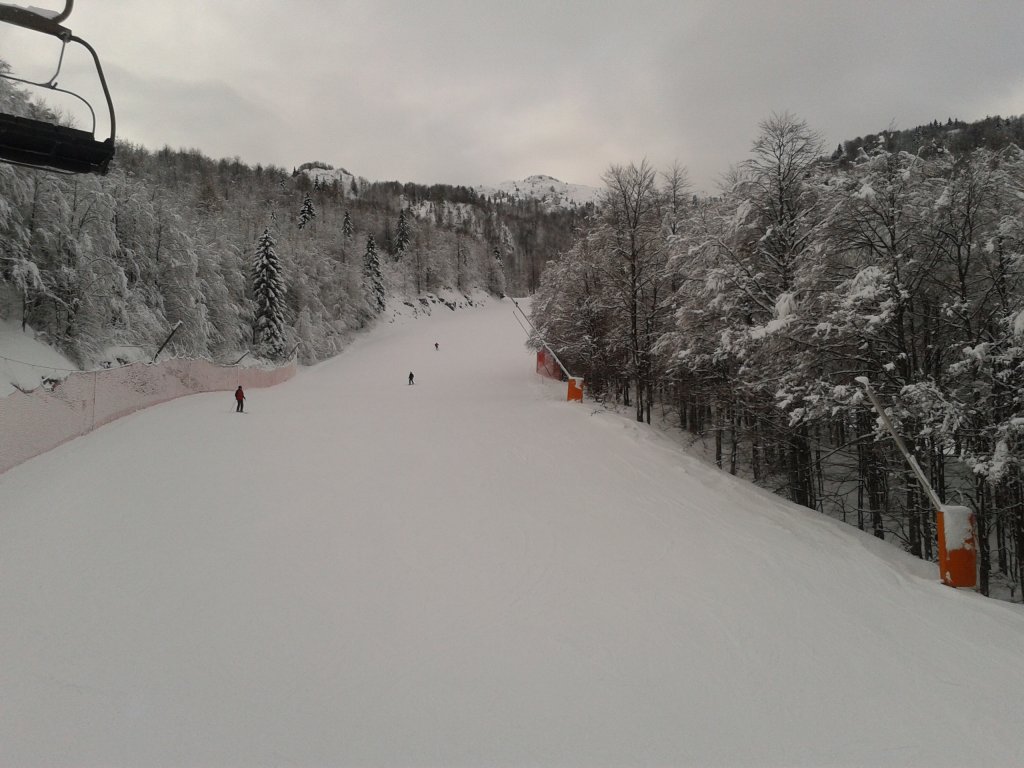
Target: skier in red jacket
{"x": 239, "y": 399}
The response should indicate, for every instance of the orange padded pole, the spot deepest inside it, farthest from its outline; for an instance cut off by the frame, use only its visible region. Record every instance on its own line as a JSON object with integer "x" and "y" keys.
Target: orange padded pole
{"x": 575, "y": 390}
{"x": 958, "y": 555}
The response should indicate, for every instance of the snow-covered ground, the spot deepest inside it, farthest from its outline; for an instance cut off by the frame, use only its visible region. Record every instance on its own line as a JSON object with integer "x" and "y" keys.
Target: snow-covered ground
{"x": 470, "y": 572}
{"x": 25, "y": 362}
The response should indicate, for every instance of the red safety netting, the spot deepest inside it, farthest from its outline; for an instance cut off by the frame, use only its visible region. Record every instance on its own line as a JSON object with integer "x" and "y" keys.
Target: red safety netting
{"x": 546, "y": 365}
{"x": 34, "y": 422}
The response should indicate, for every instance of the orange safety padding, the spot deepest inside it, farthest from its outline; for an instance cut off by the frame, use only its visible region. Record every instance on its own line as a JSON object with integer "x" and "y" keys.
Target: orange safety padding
{"x": 575, "y": 390}
{"x": 958, "y": 565}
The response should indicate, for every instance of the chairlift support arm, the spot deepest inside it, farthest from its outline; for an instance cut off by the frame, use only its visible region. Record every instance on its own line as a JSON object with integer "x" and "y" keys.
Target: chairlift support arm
{"x": 36, "y": 143}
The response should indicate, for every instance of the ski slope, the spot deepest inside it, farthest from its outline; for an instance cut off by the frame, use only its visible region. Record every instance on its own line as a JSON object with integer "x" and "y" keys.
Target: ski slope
{"x": 464, "y": 572}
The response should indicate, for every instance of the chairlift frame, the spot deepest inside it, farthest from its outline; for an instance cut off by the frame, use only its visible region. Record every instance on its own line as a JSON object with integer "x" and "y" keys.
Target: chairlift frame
{"x": 39, "y": 144}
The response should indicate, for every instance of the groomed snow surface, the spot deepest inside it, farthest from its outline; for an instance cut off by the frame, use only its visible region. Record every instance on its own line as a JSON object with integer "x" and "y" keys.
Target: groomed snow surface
{"x": 464, "y": 572}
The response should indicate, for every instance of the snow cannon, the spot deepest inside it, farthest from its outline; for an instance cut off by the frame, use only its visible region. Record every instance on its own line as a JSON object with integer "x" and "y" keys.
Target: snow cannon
{"x": 958, "y": 554}
{"x": 548, "y": 363}
{"x": 957, "y": 551}
{"x": 550, "y": 366}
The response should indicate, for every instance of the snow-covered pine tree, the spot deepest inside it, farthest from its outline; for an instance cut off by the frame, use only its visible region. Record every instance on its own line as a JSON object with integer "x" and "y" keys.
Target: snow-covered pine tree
{"x": 304, "y": 332}
{"x": 460, "y": 261}
{"x": 346, "y": 227}
{"x": 268, "y": 291}
{"x": 496, "y": 275}
{"x": 307, "y": 213}
{"x": 402, "y": 235}
{"x": 374, "y": 281}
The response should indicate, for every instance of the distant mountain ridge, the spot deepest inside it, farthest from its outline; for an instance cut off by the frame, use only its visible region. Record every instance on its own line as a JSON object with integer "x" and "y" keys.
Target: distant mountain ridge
{"x": 552, "y": 193}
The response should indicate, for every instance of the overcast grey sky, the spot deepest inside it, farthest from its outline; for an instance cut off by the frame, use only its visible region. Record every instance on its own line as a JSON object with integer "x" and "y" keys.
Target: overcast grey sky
{"x": 474, "y": 91}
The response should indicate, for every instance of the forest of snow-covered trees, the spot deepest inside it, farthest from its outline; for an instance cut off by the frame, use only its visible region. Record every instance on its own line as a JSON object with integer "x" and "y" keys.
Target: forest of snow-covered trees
{"x": 747, "y": 318}
{"x": 172, "y": 236}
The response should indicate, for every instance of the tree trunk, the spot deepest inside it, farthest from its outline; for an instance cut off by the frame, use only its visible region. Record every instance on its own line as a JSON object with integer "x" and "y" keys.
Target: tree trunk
{"x": 982, "y": 516}
{"x": 755, "y": 448}
{"x": 1019, "y": 525}
{"x": 734, "y": 447}
{"x": 913, "y": 515}
{"x": 718, "y": 437}
{"x": 819, "y": 474}
{"x": 801, "y": 470}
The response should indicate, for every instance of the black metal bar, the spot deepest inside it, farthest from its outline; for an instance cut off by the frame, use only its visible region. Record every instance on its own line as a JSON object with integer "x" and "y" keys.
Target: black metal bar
{"x": 174, "y": 330}
{"x": 68, "y": 5}
{"x": 22, "y": 17}
{"x": 103, "y": 82}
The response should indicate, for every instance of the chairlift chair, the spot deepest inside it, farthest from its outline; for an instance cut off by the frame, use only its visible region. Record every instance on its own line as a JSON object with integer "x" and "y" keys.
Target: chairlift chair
{"x": 41, "y": 144}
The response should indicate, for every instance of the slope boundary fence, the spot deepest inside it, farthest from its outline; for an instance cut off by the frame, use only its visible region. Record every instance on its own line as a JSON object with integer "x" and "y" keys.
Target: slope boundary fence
{"x": 32, "y": 423}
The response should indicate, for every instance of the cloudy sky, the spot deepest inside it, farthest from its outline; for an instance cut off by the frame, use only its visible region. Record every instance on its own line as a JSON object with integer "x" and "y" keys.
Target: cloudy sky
{"x": 475, "y": 91}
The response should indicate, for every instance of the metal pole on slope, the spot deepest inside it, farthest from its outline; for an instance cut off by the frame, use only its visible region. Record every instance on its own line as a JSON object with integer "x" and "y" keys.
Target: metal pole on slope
{"x": 174, "y": 330}
{"x": 918, "y": 472}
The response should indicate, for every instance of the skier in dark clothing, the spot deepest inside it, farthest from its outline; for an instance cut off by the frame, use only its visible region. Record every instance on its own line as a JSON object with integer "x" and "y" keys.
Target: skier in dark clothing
{"x": 239, "y": 399}
{"x": 436, "y": 346}
{"x": 410, "y": 377}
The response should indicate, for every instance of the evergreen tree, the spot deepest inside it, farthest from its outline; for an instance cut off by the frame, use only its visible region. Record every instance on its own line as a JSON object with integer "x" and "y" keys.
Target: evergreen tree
{"x": 496, "y": 275}
{"x": 308, "y": 212}
{"x": 402, "y": 236}
{"x": 304, "y": 333}
{"x": 374, "y": 282}
{"x": 346, "y": 227}
{"x": 268, "y": 291}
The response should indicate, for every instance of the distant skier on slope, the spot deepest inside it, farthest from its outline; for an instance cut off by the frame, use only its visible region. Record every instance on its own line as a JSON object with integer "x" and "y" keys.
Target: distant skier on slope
{"x": 410, "y": 377}
{"x": 436, "y": 346}
{"x": 239, "y": 400}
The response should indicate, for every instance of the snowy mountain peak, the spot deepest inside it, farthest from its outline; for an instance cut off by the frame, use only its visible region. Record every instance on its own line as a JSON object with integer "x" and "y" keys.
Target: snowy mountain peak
{"x": 319, "y": 172}
{"x": 551, "y": 192}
